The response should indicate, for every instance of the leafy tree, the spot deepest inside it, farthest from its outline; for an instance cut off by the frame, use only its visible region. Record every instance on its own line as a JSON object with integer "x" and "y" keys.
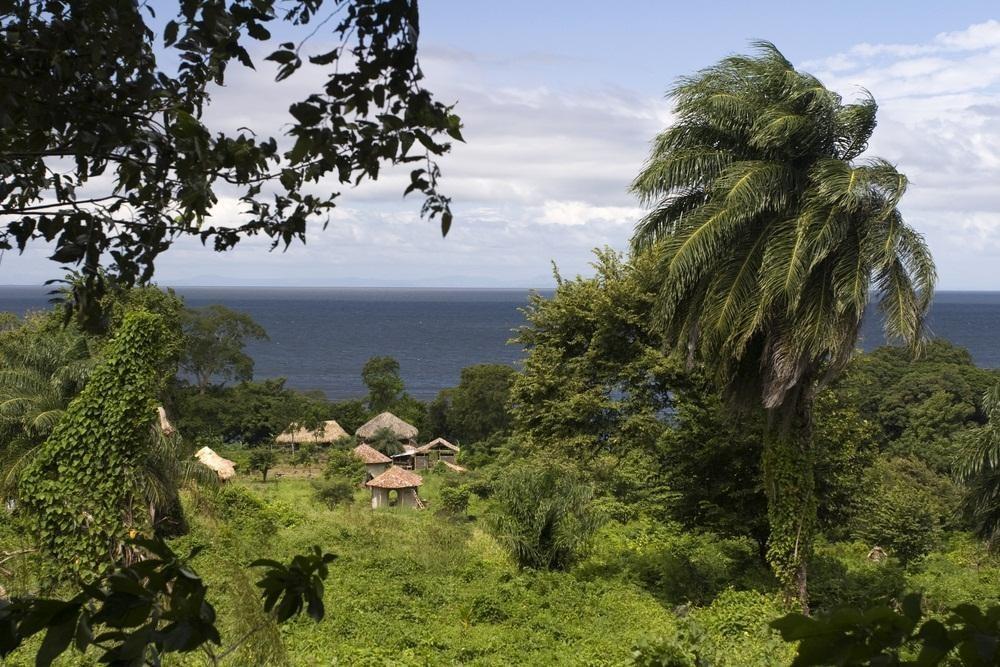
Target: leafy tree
{"x": 214, "y": 338}
{"x": 477, "y": 407}
{"x": 137, "y": 165}
{"x": 595, "y": 378}
{"x": 385, "y": 441}
{"x": 262, "y": 460}
{"x": 711, "y": 461}
{"x": 250, "y": 412}
{"x": 920, "y": 406}
{"x": 770, "y": 233}
{"x": 341, "y": 464}
{"x": 542, "y": 513}
{"x": 350, "y": 414}
{"x": 905, "y": 508}
{"x": 77, "y": 488}
{"x": 980, "y": 472}
{"x": 381, "y": 376}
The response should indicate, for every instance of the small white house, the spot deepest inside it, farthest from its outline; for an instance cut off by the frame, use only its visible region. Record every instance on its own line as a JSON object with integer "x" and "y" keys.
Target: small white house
{"x": 375, "y": 461}
{"x": 395, "y": 480}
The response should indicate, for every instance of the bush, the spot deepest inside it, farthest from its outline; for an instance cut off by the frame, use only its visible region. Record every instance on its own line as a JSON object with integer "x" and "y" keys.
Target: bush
{"x": 673, "y": 564}
{"x": 262, "y": 460}
{"x": 334, "y": 492}
{"x": 661, "y": 653}
{"x": 341, "y": 464}
{"x": 733, "y": 630}
{"x": 487, "y": 609}
{"x": 542, "y": 514}
{"x": 455, "y": 499}
{"x": 245, "y": 510}
{"x": 906, "y": 508}
{"x": 842, "y": 574}
{"x": 305, "y": 454}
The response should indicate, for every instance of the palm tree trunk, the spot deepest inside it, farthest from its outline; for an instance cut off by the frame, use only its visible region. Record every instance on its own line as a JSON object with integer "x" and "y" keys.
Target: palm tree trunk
{"x": 790, "y": 485}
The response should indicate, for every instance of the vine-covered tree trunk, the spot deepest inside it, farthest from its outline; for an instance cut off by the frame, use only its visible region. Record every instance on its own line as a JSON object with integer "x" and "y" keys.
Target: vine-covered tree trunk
{"x": 76, "y": 489}
{"x": 790, "y": 485}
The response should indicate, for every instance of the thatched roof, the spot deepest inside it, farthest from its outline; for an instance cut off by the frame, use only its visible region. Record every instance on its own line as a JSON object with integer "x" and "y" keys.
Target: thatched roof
{"x": 456, "y": 468}
{"x": 224, "y": 468}
{"x": 165, "y": 425}
{"x": 396, "y": 478}
{"x": 437, "y": 442}
{"x": 370, "y": 455}
{"x": 330, "y": 432}
{"x": 401, "y": 429}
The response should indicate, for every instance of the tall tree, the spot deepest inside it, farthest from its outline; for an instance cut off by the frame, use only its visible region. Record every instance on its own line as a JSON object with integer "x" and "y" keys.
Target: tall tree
{"x": 770, "y": 234}
{"x": 214, "y": 338}
{"x": 104, "y": 148}
{"x": 477, "y": 407}
{"x": 385, "y": 387}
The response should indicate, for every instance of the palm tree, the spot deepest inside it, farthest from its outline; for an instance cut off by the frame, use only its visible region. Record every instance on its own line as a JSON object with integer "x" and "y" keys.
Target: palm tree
{"x": 42, "y": 367}
{"x": 980, "y": 471}
{"x": 770, "y": 235}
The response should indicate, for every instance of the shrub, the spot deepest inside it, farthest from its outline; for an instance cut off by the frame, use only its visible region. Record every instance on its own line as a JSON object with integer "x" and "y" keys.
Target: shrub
{"x": 341, "y": 464}
{"x": 487, "y": 609}
{"x": 733, "y": 630}
{"x": 693, "y": 567}
{"x": 661, "y": 653}
{"x": 262, "y": 460}
{"x": 305, "y": 454}
{"x": 542, "y": 514}
{"x": 842, "y": 574}
{"x": 675, "y": 565}
{"x": 455, "y": 499}
{"x": 906, "y": 508}
{"x": 334, "y": 492}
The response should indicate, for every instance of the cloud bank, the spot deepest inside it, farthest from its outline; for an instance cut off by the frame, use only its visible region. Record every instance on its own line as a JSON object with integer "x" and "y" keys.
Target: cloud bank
{"x": 545, "y": 171}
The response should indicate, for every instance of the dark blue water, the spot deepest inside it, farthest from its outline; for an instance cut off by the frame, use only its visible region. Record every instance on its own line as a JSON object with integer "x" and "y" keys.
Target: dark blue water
{"x": 320, "y": 338}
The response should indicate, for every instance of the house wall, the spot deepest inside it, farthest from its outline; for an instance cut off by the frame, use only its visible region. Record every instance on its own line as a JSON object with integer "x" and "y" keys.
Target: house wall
{"x": 408, "y": 497}
{"x": 376, "y": 469}
{"x": 380, "y": 498}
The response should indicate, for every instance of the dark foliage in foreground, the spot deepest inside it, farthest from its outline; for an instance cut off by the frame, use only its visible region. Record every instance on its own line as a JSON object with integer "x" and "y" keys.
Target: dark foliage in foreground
{"x": 135, "y": 615}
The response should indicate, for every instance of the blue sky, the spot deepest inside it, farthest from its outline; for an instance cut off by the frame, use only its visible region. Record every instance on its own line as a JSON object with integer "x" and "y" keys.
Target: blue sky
{"x": 560, "y": 100}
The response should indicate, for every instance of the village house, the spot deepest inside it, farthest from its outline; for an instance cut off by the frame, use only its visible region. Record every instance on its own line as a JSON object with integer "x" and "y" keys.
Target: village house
{"x": 375, "y": 461}
{"x": 405, "y": 433}
{"x": 330, "y": 431}
{"x": 395, "y": 482}
{"x": 427, "y": 456}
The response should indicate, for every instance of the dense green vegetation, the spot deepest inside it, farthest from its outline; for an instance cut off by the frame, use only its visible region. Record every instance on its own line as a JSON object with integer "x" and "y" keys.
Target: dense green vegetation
{"x": 692, "y": 452}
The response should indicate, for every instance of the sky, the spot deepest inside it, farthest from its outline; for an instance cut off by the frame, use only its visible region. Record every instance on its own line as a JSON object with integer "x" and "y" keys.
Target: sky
{"x": 560, "y": 100}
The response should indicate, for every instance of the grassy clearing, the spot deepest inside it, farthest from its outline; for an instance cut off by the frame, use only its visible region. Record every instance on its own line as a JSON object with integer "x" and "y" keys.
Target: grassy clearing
{"x": 424, "y": 588}
{"x": 413, "y": 587}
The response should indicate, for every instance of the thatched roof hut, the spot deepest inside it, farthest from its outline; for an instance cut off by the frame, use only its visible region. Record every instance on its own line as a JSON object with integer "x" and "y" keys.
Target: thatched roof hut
{"x": 454, "y": 466}
{"x": 224, "y": 468}
{"x": 396, "y": 478}
{"x": 370, "y": 455}
{"x": 330, "y": 432}
{"x": 403, "y": 482}
{"x": 400, "y": 428}
{"x": 438, "y": 444}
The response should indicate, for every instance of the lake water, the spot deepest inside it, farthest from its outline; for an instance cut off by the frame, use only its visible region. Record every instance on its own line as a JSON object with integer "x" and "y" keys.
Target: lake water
{"x": 321, "y": 337}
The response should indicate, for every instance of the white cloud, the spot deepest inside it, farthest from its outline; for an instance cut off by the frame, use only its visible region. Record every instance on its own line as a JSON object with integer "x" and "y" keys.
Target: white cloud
{"x": 545, "y": 172}
{"x": 939, "y": 121}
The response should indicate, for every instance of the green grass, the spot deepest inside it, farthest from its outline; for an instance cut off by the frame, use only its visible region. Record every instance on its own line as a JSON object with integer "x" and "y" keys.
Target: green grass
{"x": 414, "y": 587}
